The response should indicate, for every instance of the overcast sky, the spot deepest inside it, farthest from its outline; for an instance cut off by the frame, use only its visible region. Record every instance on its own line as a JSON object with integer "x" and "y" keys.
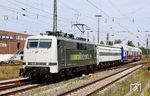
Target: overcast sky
{"x": 122, "y": 19}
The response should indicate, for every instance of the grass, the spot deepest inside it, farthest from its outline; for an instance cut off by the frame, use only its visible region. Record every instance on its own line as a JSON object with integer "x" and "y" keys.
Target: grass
{"x": 9, "y": 72}
{"x": 142, "y": 76}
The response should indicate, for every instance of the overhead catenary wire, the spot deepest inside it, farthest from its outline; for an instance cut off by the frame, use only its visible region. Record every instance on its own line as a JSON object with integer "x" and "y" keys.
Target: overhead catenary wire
{"x": 19, "y": 13}
{"x": 108, "y": 16}
{"x": 79, "y": 14}
{"x": 41, "y": 10}
{"x": 25, "y": 4}
{"x": 26, "y": 12}
{"x": 75, "y": 10}
{"x": 140, "y": 8}
{"x": 119, "y": 11}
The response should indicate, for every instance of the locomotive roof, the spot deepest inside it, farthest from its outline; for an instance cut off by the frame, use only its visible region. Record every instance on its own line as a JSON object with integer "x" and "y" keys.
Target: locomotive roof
{"x": 70, "y": 40}
{"x": 60, "y": 38}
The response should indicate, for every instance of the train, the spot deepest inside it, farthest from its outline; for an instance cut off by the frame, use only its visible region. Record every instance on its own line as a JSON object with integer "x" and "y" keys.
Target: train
{"x": 55, "y": 57}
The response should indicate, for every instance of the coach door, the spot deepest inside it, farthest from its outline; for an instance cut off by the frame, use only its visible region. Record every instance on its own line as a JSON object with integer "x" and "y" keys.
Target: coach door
{"x": 61, "y": 54}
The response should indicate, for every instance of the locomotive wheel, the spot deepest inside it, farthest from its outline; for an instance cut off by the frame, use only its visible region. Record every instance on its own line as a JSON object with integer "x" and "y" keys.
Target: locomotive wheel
{"x": 90, "y": 68}
{"x": 49, "y": 78}
{"x": 57, "y": 78}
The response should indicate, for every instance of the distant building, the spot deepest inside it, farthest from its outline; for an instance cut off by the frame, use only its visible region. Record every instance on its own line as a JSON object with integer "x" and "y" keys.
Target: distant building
{"x": 10, "y": 43}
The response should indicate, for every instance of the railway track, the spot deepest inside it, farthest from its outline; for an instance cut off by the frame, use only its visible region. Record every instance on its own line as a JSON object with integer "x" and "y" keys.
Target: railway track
{"x": 9, "y": 87}
{"x": 102, "y": 83}
{"x": 17, "y": 80}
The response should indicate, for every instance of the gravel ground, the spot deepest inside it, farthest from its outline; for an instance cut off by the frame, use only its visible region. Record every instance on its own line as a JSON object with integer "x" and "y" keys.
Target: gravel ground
{"x": 89, "y": 89}
{"x": 61, "y": 87}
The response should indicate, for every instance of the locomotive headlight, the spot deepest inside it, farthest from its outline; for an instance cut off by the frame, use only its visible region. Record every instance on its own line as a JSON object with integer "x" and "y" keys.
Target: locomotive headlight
{"x": 36, "y": 63}
{"x": 51, "y": 64}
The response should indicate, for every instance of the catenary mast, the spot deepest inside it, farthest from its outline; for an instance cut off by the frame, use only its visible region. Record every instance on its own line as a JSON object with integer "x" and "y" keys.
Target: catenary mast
{"x": 55, "y": 17}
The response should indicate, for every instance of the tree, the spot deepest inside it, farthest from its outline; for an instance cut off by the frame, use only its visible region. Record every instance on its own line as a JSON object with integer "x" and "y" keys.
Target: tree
{"x": 144, "y": 51}
{"x": 118, "y": 41}
{"x": 110, "y": 42}
{"x": 130, "y": 43}
{"x": 102, "y": 42}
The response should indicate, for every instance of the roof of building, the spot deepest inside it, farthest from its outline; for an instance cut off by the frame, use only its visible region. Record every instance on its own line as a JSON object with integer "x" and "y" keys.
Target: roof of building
{"x": 8, "y": 33}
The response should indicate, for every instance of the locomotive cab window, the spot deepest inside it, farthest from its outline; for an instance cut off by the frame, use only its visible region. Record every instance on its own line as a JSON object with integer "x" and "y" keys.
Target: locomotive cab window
{"x": 32, "y": 43}
{"x": 42, "y": 43}
{"x": 45, "y": 43}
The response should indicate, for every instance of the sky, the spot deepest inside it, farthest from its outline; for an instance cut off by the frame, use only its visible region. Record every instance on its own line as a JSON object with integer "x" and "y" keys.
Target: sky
{"x": 122, "y": 19}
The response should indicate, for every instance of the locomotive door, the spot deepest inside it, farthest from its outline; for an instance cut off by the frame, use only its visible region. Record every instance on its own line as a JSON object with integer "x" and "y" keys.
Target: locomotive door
{"x": 61, "y": 53}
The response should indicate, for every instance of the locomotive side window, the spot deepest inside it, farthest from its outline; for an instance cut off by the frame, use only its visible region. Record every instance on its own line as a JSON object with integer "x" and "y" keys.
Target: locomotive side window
{"x": 45, "y": 43}
{"x": 81, "y": 46}
{"x": 70, "y": 45}
{"x": 32, "y": 43}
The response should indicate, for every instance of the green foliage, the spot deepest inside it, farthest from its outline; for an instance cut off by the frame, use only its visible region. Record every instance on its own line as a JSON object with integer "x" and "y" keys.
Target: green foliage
{"x": 145, "y": 51}
{"x": 102, "y": 42}
{"x": 130, "y": 43}
{"x": 117, "y": 41}
{"x": 110, "y": 42}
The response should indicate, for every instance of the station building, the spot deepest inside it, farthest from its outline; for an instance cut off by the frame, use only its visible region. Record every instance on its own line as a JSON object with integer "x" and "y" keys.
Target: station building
{"x": 10, "y": 43}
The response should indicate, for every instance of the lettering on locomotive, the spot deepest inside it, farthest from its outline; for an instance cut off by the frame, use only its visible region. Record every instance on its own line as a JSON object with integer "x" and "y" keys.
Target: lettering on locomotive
{"x": 80, "y": 56}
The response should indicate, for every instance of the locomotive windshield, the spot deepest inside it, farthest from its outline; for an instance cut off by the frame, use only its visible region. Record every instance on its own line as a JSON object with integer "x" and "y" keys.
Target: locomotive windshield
{"x": 32, "y": 43}
{"x": 36, "y": 43}
{"x": 45, "y": 43}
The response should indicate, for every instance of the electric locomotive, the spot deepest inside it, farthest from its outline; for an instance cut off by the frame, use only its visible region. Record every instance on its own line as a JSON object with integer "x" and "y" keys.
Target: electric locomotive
{"x": 53, "y": 56}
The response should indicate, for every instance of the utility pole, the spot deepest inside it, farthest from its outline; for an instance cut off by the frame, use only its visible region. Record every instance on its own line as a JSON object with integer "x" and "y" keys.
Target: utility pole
{"x": 88, "y": 29}
{"x": 98, "y": 16}
{"x": 55, "y": 17}
{"x": 147, "y": 46}
{"x": 107, "y": 39}
{"x": 138, "y": 44}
